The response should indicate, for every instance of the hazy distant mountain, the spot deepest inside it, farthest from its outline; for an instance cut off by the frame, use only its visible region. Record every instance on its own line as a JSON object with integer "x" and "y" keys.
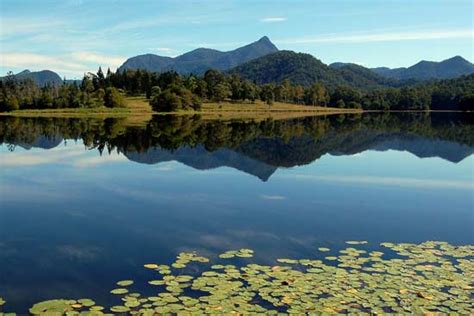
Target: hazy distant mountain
{"x": 201, "y": 59}
{"x": 41, "y": 78}
{"x": 304, "y": 69}
{"x": 446, "y": 69}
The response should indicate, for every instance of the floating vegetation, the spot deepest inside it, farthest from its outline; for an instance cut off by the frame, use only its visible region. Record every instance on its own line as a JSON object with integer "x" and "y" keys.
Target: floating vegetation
{"x": 242, "y": 253}
{"x": 119, "y": 291}
{"x": 419, "y": 278}
{"x": 151, "y": 266}
{"x": 125, "y": 283}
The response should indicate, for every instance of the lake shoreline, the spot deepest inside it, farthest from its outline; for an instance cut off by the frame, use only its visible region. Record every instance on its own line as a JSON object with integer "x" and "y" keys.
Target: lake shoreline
{"x": 138, "y": 107}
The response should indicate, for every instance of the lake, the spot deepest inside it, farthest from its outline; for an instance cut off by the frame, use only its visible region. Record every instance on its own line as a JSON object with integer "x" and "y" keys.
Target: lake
{"x": 85, "y": 203}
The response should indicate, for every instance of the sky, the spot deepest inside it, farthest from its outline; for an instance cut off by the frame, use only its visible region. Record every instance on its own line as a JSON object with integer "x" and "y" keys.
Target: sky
{"x": 72, "y": 37}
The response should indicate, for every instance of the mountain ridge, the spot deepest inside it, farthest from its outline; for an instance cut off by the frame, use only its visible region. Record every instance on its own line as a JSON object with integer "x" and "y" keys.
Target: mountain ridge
{"x": 446, "y": 69}
{"x": 305, "y": 69}
{"x": 201, "y": 59}
{"x": 301, "y": 68}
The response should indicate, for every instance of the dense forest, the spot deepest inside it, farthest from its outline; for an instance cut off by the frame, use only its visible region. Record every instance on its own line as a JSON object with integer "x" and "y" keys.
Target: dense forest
{"x": 305, "y": 69}
{"x": 170, "y": 91}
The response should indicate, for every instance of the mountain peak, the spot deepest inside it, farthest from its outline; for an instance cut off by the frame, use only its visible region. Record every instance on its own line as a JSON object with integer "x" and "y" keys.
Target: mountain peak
{"x": 458, "y": 59}
{"x": 201, "y": 59}
{"x": 266, "y": 42}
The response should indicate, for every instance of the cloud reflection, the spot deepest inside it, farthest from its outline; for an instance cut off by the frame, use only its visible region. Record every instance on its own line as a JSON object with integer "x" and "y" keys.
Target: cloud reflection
{"x": 388, "y": 181}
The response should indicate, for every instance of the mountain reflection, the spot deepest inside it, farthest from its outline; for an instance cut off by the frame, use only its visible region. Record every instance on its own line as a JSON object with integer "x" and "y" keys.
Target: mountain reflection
{"x": 255, "y": 147}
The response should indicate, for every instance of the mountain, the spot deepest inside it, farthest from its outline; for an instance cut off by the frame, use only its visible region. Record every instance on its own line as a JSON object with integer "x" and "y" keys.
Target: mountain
{"x": 304, "y": 69}
{"x": 446, "y": 69}
{"x": 358, "y": 75}
{"x": 201, "y": 59}
{"x": 41, "y": 78}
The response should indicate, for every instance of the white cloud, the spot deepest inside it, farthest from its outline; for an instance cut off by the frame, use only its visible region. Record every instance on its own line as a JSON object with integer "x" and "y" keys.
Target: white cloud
{"x": 274, "y": 19}
{"x": 31, "y": 158}
{"x": 98, "y": 59}
{"x": 382, "y": 37}
{"x": 163, "y": 49}
{"x": 272, "y": 197}
{"x": 74, "y": 64}
{"x": 32, "y": 61}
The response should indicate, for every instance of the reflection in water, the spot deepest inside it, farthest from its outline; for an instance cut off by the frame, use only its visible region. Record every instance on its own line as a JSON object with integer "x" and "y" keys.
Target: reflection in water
{"x": 257, "y": 148}
{"x": 75, "y": 221}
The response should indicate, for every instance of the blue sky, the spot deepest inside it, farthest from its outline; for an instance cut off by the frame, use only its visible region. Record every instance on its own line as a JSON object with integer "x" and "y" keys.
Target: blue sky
{"x": 75, "y": 36}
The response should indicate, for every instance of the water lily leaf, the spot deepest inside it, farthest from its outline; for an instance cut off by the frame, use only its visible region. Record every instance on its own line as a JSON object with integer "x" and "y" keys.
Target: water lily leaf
{"x": 125, "y": 283}
{"x": 120, "y": 309}
{"x": 119, "y": 291}
{"x": 151, "y": 266}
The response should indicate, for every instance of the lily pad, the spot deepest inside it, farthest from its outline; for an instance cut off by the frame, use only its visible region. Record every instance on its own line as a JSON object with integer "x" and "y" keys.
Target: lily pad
{"x": 119, "y": 291}
{"x": 125, "y": 283}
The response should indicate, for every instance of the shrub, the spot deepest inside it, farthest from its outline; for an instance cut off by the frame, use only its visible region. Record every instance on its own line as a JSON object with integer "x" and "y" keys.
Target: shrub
{"x": 113, "y": 98}
{"x": 175, "y": 98}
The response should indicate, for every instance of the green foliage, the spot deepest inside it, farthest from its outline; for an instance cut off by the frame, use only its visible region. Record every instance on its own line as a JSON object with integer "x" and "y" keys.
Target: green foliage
{"x": 113, "y": 98}
{"x": 175, "y": 98}
{"x": 267, "y": 93}
{"x": 170, "y": 92}
{"x": 10, "y": 103}
{"x": 317, "y": 94}
{"x": 304, "y": 69}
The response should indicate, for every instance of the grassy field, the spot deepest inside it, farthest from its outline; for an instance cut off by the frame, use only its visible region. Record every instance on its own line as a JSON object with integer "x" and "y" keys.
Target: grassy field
{"x": 139, "y": 110}
{"x": 260, "y": 110}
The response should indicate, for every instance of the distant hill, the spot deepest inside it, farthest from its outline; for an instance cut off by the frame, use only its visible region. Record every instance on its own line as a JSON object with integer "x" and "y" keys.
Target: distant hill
{"x": 446, "y": 69}
{"x": 41, "y": 78}
{"x": 201, "y": 59}
{"x": 304, "y": 69}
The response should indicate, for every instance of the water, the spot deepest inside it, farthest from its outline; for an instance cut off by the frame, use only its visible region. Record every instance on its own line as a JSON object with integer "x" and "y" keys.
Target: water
{"x": 85, "y": 203}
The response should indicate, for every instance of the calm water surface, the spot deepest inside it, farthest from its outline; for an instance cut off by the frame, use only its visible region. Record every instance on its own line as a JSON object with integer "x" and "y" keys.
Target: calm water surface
{"x": 85, "y": 203}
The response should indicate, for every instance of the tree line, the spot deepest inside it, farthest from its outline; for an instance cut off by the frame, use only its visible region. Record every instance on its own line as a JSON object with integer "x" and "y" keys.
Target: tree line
{"x": 170, "y": 91}
{"x": 92, "y": 92}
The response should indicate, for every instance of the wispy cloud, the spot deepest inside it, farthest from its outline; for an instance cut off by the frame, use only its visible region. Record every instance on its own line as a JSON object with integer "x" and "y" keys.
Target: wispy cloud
{"x": 163, "y": 49}
{"x": 98, "y": 160}
{"x": 13, "y": 26}
{"x": 381, "y": 37}
{"x": 391, "y": 181}
{"x": 272, "y": 197}
{"x": 273, "y": 19}
{"x": 111, "y": 61}
{"x": 144, "y": 23}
